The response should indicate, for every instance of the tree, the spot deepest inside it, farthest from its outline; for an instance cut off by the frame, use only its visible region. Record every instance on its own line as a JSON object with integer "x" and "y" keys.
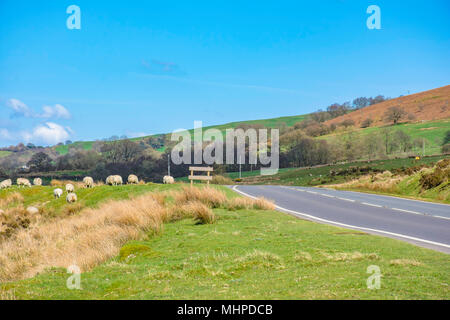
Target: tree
{"x": 347, "y": 123}
{"x": 366, "y": 123}
{"x": 40, "y": 162}
{"x": 394, "y": 115}
{"x": 361, "y": 102}
{"x": 447, "y": 137}
{"x": 121, "y": 151}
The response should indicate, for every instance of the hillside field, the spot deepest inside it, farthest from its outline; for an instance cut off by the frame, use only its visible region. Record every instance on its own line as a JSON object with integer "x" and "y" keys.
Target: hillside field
{"x": 428, "y": 105}
{"x": 245, "y": 254}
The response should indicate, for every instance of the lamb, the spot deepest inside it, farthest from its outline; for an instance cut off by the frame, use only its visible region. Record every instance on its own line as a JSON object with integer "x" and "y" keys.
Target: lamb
{"x": 32, "y": 210}
{"x": 88, "y": 182}
{"x": 37, "y": 181}
{"x": 57, "y": 192}
{"x": 70, "y": 188}
{"x": 71, "y": 197}
{"x": 22, "y": 182}
{"x": 5, "y": 184}
{"x": 168, "y": 180}
{"x": 133, "y": 179}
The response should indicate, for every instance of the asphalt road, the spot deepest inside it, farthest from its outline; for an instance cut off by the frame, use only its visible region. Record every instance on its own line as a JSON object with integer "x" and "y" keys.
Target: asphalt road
{"x": 421, "y": 223}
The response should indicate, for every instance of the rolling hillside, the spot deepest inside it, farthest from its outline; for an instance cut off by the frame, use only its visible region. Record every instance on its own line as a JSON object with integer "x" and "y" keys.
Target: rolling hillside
{"x": 425, "y": 106}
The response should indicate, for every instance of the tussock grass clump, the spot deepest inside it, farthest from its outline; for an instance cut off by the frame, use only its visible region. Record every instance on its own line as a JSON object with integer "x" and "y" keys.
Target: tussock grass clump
{"x": 263, "y": 204}
{"x": 193, "y": 209}
{"x": 14, "y": 198}
{"x": 62, "y": 183}
{"x": 218, "y": 179}
{"x": 87, "y": 239}
{"x": 247, "y": 203}
{"x": 209, "y": 196}
{"x": 405, "y": 262}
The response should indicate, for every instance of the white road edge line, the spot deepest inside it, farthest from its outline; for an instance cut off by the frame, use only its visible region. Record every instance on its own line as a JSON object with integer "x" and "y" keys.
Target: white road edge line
{"x": 348, "y": 225}
{"x": 372, "y": 205}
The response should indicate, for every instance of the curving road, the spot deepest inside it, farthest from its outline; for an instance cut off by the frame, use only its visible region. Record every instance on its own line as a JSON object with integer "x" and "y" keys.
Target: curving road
{"x": 422, "y": 223}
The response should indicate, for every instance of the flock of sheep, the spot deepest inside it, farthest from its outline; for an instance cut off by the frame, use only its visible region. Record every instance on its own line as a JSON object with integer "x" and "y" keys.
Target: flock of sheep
{"x": 88, "y": 182}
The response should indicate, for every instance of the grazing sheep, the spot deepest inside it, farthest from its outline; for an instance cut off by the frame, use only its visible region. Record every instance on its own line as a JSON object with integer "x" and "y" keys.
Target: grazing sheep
{"x": 71, "y": 197}
{"x": 70, "y": 188}
{"x": 5, "y": 184}
{"x": 32, "y": 210}
{"x": 114, "y": 180}
{"x": 88, "y": 182}
{"x": 168, "y": 180}
{"x": 57, "y": 192}
{"x": 22, "y": 182}
{"x": 37, "y": 181}
{"x": 133, "y": 179}
{"x": 118, "y": 180}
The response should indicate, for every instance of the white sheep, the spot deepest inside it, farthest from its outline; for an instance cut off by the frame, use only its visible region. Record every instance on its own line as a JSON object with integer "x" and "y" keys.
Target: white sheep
{"x": 70, "y": 188}
{"x": 110, "y": 180}
{"x": 5, "y": 184}
{"x": 133, "y": 179}
{"x": 168, "y": 180}
{"x": 71, "y": 197}
{"x": 32, "y": 210}
{"x": 118, "y": 180}
{"x": 114, "y": 180}
{"x": 22, "y": 182}
{"x": 88, "y": 182}
{"x": 37, "y": 181}
{"x": 57, "y": 192}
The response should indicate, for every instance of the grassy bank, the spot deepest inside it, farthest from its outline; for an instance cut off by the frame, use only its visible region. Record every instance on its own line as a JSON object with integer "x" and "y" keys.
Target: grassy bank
{"x": 246, "y": 254}
{"x": 331, "y": 174}
{"x": 425, "y": 184}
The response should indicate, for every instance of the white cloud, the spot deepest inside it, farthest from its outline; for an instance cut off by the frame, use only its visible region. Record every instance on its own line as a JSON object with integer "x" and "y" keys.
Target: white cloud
{"x": 22, "y": 110}
{"x": 48, "y": 133}
{"x": 58, "y": 111}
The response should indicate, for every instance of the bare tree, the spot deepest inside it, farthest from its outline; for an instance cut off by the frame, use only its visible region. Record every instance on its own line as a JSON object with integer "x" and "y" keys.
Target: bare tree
{"x": 394, "y": 115}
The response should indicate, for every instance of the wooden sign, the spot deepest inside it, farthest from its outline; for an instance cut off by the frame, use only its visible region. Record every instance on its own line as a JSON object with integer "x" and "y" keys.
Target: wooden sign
{"x": 206, "y": 178}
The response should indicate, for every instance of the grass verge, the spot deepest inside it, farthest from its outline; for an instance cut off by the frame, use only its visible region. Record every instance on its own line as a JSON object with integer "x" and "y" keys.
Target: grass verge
{"x": 251, "y": 254}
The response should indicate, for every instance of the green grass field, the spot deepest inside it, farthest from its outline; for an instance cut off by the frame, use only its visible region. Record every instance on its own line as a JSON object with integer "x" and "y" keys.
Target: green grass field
{"x": 4, "y": 153}
{"x": 432, "y": 131}
{"x": 269, "y": 123}
{"x": 246, "y": 254}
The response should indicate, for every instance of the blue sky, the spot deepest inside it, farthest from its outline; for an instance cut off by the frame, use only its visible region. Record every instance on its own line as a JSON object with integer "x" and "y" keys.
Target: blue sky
{"x": 156, "y": 66}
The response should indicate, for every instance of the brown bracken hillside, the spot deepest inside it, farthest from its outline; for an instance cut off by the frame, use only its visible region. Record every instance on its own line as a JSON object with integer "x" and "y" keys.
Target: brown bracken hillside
{"x": 427, "y": 105}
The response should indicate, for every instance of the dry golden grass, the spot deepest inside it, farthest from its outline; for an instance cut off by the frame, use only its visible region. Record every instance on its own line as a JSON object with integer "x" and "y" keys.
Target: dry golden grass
{"x": 86, "y": 239}
{"x": 12, "y": 198}
{"x": 263, "y": 204}
{"x": 209, "y": 196}
{"x": 405, "y": 262}
{"x": 247, "y": 203}
{"x": 218, "y": 179}
{"x": 385, "y": 182}
{"x": 62, "y": 183}
{"x": 195, "y": 209}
